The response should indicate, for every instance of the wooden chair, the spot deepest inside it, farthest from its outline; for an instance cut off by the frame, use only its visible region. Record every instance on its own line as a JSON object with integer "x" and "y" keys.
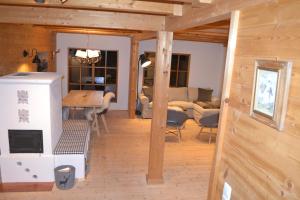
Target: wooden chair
{"x": 209, "y": 121}
{"x": 89, "y": 113}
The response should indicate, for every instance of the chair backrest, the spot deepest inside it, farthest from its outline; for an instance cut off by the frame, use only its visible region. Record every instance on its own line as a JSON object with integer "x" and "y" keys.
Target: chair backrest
{"x": 210, "y": 120}
{"x": 176, "y": 118}
{"x": 106, "y": 102}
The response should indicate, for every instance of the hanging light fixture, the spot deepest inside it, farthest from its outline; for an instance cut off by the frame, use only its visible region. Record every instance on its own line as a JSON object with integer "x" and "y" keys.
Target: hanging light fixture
{"x": 88, "y": 56}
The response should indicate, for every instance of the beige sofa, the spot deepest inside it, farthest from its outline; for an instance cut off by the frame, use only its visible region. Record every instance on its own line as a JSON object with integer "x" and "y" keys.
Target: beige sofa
{"x": 183, "y": 97}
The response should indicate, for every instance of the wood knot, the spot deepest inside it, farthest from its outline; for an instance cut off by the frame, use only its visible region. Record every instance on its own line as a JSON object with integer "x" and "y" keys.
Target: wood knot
{"x": 164, "y": 50}
{"x": 226, "y": 173}
{"x": 289, "y": 184}
{"x": 226, "y": 100}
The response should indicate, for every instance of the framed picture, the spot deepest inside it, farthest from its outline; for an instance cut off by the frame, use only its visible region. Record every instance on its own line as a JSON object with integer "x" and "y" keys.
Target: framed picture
{"x": 270, "y": 92}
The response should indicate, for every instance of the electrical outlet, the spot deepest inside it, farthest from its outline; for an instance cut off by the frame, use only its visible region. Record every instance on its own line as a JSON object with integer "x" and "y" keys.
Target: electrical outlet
{"x": 226, "y": 191}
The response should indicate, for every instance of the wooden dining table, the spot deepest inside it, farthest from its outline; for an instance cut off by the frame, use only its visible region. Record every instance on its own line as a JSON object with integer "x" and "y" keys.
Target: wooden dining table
{"x": 85, "y": 99}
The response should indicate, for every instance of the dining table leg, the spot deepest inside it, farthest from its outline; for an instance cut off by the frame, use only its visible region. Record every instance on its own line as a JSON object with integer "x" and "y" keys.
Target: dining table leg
{"x": 96, "y": 121}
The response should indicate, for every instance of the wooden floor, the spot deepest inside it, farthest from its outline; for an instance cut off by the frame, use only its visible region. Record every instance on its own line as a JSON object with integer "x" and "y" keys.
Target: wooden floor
{"x": 118, "y": 166}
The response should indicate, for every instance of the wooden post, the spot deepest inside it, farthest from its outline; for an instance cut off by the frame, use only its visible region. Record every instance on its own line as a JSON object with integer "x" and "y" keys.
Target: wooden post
{"x": 160, "y": 104}
{"x": 132, "y": 92}
{"x": 224, "y": 106}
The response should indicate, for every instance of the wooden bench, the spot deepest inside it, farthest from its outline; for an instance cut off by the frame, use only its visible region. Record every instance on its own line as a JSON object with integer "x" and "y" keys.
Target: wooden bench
{"x": 73, "y": 146}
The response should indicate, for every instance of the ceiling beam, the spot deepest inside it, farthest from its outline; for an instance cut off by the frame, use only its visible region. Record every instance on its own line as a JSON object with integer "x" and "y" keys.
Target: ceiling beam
{"x": 197, "y": 39}
{"x": 181, "y": 1}
{"x": 201, "y": 3}
{"x": 201, "y": 38}
{"x": 113, "y": 32}
{"x": 132, "y": 6}
{"x": 186, "y": 36}
{"x": 171, "y": 1}
{"x": 144, "y": 36}
{"x": 80, "y": 18}
{"x": 218, "y": 10}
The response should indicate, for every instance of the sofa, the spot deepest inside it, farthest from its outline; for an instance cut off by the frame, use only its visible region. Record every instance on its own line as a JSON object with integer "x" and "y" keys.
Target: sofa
{"x": 186, "y": 98}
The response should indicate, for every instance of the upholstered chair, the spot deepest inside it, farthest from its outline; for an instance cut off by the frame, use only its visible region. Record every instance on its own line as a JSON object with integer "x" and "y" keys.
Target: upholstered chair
{"x": 176, "y": 119}
{"x": 209, "y": 121}
{"x": 89, "y": 113}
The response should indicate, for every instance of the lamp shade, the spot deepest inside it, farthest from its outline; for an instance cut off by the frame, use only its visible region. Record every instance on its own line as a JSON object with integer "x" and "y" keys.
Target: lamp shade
{"x": 93, "y": 53}
{"x": 145, "y": 62}
{"x": 81, "y": 54}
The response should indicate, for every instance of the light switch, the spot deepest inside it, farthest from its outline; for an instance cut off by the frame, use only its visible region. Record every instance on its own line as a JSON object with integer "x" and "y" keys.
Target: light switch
{"x": 226, "y": 191}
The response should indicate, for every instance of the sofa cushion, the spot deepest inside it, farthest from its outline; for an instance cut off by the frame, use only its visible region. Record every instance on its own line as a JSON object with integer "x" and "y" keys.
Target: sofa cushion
{"x": 148, "y": 92}
{"x": 178, "y": 94}
{"x": 182, "y": 104}
{"x": 204, "y": 94}
{"x": 192, "y": 94}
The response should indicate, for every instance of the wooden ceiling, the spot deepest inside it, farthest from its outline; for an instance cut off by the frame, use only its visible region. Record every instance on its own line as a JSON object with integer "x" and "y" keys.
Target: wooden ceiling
{"x": 153, "y": 7}
{"x": 133, "y": 18}
{"x": 216, "y": 32}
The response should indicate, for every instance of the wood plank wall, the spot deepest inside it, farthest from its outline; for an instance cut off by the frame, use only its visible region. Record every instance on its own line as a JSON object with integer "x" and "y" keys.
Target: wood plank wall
{"x": 258, "y": 161}
{"x": 15, "y": 38}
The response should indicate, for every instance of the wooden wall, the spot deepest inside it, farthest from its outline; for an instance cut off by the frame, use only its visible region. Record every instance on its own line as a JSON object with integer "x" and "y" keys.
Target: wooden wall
{"x": 259, "y": 162}
{"x": 15, "y": 38}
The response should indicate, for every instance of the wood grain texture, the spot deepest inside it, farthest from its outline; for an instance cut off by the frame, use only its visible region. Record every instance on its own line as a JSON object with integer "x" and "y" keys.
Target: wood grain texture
{"x": 80, "y": 18}
{"x": 83, "y": 98}
{"x": 218, "y": 10}
{"x": 160, "y": 105}
{"x": 132, "y": 6}
{"x": 224, "y": 102}
{"x": 258, "y": 161}
{"x": 26, "y": 187}
{"x": 132, "y": 92}
{"x": 118, "y": 164}
{"x": 16, "y": 38}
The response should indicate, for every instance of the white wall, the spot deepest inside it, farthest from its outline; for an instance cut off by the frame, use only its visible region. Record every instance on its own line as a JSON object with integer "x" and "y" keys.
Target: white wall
{"x": 206, "y": 65}
{"x": 122, "y": 44}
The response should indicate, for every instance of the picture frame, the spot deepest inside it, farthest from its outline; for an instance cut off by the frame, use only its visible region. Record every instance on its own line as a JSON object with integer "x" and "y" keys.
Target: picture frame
{"x": 270, "y": 92}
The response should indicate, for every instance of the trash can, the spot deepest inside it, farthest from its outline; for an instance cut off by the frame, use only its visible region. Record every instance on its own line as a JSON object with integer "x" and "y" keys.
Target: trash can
{"x": 64, "y": 177}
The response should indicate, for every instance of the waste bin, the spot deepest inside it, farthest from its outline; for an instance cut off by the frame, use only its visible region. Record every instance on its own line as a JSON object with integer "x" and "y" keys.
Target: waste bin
{"x": 64, "y": 177}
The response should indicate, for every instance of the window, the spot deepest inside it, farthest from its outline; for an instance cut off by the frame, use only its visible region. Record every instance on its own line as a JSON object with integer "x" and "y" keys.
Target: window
{"x": 102, "y": 75}
{"x": 179, "y": 70}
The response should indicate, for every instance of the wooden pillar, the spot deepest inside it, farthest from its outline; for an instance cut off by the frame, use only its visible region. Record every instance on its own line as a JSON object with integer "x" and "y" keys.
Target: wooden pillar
{"x": 234, "y": 21}
{"x": 132, "y": 92}
{"x": 160, "y": 104}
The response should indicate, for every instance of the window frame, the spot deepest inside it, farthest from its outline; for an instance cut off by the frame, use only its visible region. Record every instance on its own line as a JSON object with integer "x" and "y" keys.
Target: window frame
{"x": 94, "y": 67}
{"x": 177, "y": 68}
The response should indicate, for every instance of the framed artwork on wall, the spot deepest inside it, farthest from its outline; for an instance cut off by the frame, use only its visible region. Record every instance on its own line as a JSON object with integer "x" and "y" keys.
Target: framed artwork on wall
{"x": 270, "y": 92}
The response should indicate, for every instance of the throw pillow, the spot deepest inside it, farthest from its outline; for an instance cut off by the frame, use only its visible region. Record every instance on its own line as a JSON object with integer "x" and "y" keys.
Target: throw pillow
{"x": 204, "y": 94}
{"x": 148, "y": 92}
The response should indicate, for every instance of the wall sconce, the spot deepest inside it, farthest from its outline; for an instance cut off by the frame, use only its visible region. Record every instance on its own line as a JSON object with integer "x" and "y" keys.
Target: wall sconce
{"x": 54, "y": 53}
{"x": 36, "y": 58}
